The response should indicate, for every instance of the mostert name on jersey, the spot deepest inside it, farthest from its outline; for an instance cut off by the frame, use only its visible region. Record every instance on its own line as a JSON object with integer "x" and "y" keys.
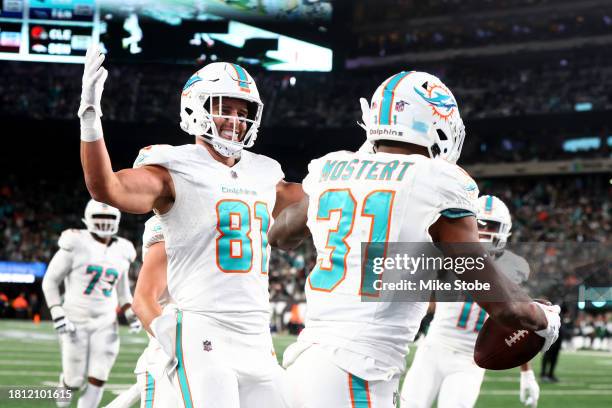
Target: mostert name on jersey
{"x": 361, "y": 169}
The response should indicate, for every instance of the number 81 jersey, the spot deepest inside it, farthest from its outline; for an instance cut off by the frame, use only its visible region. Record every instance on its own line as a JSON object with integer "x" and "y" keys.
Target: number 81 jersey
{"x": 356, "y": 198}
{"x": 216, "y": 233}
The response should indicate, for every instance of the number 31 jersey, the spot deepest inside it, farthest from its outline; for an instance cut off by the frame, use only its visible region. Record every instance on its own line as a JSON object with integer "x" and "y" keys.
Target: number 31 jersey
{"x": 97, "y": 273}
{"x": 356, "y": 198}
{"x": 216, "y": 233}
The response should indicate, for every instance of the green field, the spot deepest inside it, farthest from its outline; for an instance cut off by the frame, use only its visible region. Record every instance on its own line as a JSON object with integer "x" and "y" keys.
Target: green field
{"x": 29, "y": 356}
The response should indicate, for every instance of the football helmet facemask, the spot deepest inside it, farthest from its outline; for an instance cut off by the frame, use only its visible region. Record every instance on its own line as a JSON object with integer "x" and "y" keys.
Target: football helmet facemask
{"x": 101, "y": 219}
{"x": 202, "y": 102}
{"x": 494, "y": 222}
{"x": 416, "y": 107}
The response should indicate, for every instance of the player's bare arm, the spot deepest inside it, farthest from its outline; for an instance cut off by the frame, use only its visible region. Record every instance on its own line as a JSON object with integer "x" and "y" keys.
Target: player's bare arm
{"x": 150, "y": 285}
{"x": 131, "y": 190}
{"x": 289, "y": 229}
{"x": 521, "y": 312}
{"x": 286, "y": 194}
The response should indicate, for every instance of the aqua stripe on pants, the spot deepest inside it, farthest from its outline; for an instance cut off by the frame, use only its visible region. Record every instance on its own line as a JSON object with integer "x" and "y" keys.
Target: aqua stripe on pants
{"x": 360, "y": 392}
{"x": 182, "y": 375}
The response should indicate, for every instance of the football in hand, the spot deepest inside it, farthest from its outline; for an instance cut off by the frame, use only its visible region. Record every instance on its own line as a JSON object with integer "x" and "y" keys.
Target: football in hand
{"x": 500, "y": 348}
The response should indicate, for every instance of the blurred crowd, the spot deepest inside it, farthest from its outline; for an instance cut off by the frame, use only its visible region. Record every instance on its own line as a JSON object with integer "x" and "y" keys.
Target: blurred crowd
{"x": 34, "y": 212}
{"x": 405, "y": 9}
{"x": 380, "y": 34}
{"x": 483, "y": 90}
{"x": 151, "y": 94}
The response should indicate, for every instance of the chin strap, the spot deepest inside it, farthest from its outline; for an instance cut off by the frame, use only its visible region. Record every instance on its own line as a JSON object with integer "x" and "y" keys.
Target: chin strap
{"x": 222, "y": 148}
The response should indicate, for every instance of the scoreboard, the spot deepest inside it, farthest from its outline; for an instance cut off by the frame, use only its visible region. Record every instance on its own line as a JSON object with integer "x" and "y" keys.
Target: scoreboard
{"x": 47, "y": 30}
{"x": 170, "y": 31}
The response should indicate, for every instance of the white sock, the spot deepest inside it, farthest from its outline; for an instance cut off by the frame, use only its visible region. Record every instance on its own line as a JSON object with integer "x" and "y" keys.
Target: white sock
{"x": 91, "y": 397}
{"x": 61, "y": 387}
{"x": 127, "y": 398}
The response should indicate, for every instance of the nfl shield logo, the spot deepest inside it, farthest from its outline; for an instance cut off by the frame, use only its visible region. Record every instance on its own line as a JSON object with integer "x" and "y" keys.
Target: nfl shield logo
{"x": 399, "y": 106}
{"x": 207, "y": 345}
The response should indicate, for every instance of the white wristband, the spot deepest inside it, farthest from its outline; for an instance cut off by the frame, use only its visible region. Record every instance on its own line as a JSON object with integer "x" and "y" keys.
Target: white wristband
{"x": 91, "y": 126}
{"x": 57, "y": 312}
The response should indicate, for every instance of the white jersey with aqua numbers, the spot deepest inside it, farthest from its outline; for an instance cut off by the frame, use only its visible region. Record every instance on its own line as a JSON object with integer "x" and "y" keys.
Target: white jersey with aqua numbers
{"x": 382, "y": 197}
{"x": 456, "y": 324}
{"x": 216, "y": 233}
{"x": 98, "y": 271}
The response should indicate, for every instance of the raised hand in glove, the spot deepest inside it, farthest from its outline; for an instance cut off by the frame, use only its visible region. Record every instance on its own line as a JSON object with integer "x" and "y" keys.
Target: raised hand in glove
{"x": 90, "y": 110}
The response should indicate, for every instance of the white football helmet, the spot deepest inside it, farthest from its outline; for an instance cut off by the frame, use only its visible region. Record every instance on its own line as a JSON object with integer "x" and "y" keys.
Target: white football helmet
{"x": 214, "y": 82}
{"x": 416, "y": 107}
{"x": 101, "y": 219}
{"x": 494, "y": 222}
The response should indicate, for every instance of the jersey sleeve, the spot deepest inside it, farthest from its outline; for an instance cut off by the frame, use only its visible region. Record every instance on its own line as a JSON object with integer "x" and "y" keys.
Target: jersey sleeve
{"x": 130, "y": 251}
{"x": 153, "y": 233}
{"x": 58, "y": 269}
{"x": 521, "y": 268}
{"x": 515, "y": 267}
{"x": 124, "y": 296}
{"x": 309, "y": 184}
{"x": 268, "y": 167}
{"x": 456, "y": 191}
{"x": 68, "y": 240}
{"x": 158, "y": 155}
{"x": 277, "y": 171}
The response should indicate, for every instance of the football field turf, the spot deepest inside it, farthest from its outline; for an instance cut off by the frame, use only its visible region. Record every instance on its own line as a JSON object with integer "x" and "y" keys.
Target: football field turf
{"x": 29, "y": 356}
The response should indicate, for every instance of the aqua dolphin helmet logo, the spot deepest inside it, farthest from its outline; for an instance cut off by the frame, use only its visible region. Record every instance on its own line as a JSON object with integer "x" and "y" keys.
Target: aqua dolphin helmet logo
{"x": 191, "y": 81}
{"x": 439, "y": 98}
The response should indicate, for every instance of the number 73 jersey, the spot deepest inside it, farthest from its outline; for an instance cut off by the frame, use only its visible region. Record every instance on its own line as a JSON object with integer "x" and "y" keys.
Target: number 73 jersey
{"x": 97, "y": 273}
{"x": 356, "y": 198}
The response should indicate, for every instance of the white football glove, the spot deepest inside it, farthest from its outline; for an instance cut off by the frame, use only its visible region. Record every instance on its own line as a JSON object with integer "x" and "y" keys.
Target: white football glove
{"x": 530, "y": 390}
{"x": 164, "y": 330}
{"x": 367, "y": 146}
{"x": 61, "y": 323}
{"x": 90, "y": 110}
{"x": 551, "y": 332}
{"x": 132, "y": 319}
{"x": 365, "y": 114}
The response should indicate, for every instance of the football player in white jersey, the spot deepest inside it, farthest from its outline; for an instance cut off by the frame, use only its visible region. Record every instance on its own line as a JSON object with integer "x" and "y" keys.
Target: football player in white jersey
{"x": 351, "y": 353}
{"x": 215, "y": 201}
{"x": 444, "y": 366}
{"x": 93, "y": 263}
{"x": 150, "y": 299}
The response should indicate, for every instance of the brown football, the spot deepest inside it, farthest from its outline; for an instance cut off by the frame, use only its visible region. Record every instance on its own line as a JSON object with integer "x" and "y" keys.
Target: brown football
{"x": 500, "y": 348}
